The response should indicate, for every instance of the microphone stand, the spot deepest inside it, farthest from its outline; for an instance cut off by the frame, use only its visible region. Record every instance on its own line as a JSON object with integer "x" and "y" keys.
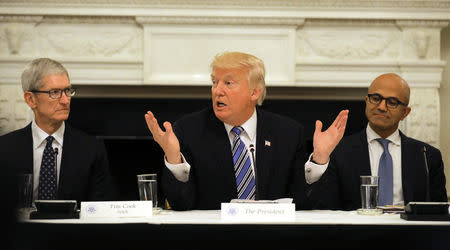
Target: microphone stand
{"x": 252, "y": 151}
{"x": 427, "y": 174}
{"x": 423, "y": 211}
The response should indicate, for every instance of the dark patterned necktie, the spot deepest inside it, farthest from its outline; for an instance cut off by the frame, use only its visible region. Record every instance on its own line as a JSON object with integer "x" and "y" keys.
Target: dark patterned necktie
{"x": 245, "y": 179}
{"x": 47, "y": 174}
{"x": 385, "y": 172}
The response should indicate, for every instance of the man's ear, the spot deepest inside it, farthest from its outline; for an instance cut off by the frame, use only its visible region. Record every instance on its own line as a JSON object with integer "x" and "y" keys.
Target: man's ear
{"x": 30, "y": 99}
{"x": 407, "y": 111}
{"x": 256, "y": 92}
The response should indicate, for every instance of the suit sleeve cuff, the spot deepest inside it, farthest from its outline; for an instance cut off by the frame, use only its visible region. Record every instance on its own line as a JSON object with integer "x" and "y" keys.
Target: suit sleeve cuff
{"x": 180, "y": 171}
{"x": 314, "y": 171}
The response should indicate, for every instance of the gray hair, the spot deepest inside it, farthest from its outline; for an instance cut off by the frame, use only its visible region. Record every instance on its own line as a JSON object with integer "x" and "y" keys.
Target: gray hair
{"x": 38, "y": 69}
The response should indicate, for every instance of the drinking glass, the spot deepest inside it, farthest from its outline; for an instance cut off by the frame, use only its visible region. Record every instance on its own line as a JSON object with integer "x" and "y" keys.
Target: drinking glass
{"x": 24, "y": 194}
{"x": 148, "y": 188}
{"x": 369, "y": 196}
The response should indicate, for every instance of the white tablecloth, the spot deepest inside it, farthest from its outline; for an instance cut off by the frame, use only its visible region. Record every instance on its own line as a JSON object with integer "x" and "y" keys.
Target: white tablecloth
{"x": 311, "y": 217}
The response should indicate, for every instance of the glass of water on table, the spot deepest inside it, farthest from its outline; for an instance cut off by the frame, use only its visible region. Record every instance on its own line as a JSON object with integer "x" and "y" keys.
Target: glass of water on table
{"x": 369, "y": 196}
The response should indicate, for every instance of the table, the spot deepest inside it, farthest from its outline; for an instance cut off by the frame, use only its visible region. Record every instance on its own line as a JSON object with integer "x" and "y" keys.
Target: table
{"x": 316, "y": 229}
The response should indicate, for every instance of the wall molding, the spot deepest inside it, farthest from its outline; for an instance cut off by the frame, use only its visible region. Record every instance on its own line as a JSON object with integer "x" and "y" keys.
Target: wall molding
{"x": 247, "y": 3}
{"x": 315, "y": 45}
{"x": 285, "y": 21}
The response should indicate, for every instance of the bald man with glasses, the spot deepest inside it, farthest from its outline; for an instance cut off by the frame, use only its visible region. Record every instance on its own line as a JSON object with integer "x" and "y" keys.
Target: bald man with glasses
{"x": 66, "y": 163}
{"x": 381, "y": 150}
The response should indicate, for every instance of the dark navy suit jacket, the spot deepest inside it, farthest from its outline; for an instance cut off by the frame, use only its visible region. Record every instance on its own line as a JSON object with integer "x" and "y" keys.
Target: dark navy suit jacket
{"x": 339, "y": 187}
{"x": 205, "y": 144}
{"x": 84, "y": 171}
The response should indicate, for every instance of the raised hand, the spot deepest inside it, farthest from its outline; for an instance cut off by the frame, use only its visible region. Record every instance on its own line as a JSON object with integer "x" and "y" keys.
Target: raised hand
{"x": 167, "y": 140}
{"x": 325, "y": 142}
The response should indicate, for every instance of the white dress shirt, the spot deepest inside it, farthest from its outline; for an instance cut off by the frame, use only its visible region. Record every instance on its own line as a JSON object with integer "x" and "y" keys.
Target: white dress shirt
{"x": 395, "y": 149}
{"x": 39, "y": 142}
{"x": 248, "y": 136}
{"x": 313, "y": 172}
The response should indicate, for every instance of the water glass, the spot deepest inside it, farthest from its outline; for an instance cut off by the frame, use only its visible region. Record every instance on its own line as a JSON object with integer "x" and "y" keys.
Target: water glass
{"x": 369, "y": 195}
{"x": 148, "y": 188}
{"x": 24, "y": 194}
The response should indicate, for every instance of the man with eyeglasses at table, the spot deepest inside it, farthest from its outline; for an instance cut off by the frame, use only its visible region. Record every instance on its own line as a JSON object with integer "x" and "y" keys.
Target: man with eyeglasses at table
{"x": 403, "y": 178}
{"x": 66, "y": 163}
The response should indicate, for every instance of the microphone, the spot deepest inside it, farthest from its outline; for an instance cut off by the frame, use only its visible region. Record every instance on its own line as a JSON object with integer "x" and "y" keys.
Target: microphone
{"x": 252, "y": 151}
{"x": 423, "y": 211}
{"x": 427, "y": 174}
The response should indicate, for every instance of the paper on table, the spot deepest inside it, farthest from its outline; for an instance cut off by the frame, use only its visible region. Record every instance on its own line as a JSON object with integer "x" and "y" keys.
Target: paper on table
{"x": 392, "y": 208}
{"x": 278, "y": 201}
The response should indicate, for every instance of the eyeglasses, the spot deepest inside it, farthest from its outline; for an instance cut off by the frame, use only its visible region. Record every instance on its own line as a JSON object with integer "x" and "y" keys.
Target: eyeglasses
{"x": 391, "y": 102}
{"x": 57, "y": 93}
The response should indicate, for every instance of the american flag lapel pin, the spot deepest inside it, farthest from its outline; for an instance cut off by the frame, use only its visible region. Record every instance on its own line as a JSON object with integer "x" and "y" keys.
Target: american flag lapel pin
{"x": 266, "y": 143}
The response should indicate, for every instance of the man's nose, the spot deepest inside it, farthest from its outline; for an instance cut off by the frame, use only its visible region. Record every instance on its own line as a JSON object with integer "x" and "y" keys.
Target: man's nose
{"x": 64, "y": 98}
{"x": 220, "y": 88}
{"x": 383, "y": 105}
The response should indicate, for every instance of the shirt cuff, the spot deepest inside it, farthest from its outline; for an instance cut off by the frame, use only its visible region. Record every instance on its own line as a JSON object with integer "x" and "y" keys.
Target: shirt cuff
{"x": 314, "y": 171}
{"x": 180, "y": 171}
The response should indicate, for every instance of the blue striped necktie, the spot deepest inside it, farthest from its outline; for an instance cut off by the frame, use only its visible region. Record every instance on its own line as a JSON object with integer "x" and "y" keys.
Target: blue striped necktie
{"x": 245, "y": 180}
{"x": 385, "y": 172}
{"x": 47, "y": 174}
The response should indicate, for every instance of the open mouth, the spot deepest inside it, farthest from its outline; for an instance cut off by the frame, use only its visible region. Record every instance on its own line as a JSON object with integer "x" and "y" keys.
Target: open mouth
{"x": 221, "y": 104}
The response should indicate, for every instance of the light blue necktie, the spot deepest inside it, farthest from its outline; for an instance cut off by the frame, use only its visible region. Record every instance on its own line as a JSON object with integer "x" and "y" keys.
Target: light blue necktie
{"x": 245, "y": 180}
{"x": 385, "y": 172}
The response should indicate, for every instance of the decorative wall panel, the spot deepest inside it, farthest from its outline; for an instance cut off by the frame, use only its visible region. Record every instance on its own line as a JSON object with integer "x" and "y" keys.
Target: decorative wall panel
{"x": 182, "y": 55}
{"x": 314, "y": 44}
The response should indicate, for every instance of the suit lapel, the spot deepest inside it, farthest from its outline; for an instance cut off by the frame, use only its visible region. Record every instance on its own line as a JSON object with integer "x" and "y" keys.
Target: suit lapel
{"x": 66, "y": 161}
{"x": 410, "y": 165}
{"x": 264, "y": 152}
{"x": 363, "y": 155}
{"x": 28, "y": 156}
{"x": 356, "y": 164}
{"x": 20, "y": 150}
{"x": 221, "y": 151}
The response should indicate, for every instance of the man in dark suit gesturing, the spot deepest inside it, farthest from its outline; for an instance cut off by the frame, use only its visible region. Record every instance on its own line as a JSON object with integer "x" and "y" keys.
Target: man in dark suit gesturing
{"x": 66, "y": 163}
{"x": 233, "y": 149}
{"x": 381, "y": 149}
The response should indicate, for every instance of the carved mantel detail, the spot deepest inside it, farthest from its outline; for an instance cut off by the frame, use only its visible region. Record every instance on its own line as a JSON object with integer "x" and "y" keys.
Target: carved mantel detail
{"x": 17, "y": 33}
{"x": 248, "y": 3}
{"x": 207, "y": 20}
{"x": 20, "y": 19}
{"x": 424, "y": 119}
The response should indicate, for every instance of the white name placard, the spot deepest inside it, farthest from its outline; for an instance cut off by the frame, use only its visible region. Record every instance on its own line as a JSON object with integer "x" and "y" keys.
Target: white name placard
{"x": 115, "y": 209}
{"x": 257, "y": 212}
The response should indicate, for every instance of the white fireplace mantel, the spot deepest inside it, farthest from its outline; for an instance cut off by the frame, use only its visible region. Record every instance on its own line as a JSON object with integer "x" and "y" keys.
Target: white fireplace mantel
{"x": 339, "y": 44}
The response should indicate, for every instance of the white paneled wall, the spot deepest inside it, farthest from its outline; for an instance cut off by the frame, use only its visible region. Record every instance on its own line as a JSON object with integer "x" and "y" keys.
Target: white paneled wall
{"x": 339, "y": 44}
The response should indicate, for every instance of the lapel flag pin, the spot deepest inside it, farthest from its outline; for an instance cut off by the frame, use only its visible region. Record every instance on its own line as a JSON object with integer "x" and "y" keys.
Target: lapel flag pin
{"x": 267, "y": 143}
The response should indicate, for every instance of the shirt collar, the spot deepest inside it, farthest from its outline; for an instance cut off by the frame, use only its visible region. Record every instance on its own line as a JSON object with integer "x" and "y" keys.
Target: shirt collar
{"x": 249, "y": 126}
{"x": 39, "y": 135}
{"x": 372, "y": 135}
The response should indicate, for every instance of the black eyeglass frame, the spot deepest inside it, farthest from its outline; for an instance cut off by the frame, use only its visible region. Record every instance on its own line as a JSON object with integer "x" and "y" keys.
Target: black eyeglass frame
{"x": 388, "y": 100}
{"x": 57, "y": 93}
